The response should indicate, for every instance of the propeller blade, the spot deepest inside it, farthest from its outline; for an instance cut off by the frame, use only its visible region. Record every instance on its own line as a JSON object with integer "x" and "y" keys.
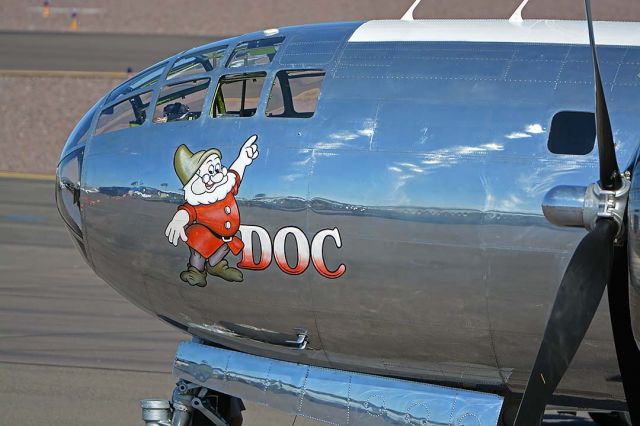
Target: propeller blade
{"x": 618, "y": 289}
{"x": 575, "y": 305}
{"x": 626, "y": 348}
{"x": 609, "y": 170}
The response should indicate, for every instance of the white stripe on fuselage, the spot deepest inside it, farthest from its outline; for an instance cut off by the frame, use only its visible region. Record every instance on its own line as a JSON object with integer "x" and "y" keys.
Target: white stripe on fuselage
{"x": 500, "y": 31}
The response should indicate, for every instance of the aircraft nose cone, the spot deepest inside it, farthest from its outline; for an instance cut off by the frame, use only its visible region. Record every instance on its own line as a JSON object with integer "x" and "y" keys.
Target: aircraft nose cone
{"x": 68, "y": 191}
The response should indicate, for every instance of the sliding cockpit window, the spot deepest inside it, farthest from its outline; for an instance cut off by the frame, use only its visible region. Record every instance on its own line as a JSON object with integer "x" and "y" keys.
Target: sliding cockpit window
{"x": 140, "y": 81}
{"x": 131, "y": 112}
{"x": 255, "y": 52}
{"x": 197, "y": 63}
{"x": 181, "y": 101}
{"x": 294, "y": 94}
{"x": 238, "y": 95}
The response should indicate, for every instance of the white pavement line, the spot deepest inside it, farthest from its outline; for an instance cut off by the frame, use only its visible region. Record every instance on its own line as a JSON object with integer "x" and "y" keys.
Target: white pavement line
{"x": 64, "y": 73}
{"x": 26, "y": 176}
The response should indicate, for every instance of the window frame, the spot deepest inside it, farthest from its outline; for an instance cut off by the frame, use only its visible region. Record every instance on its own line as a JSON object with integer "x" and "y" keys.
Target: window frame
{"x": 247, "y": 75}
{"x": 120, "y": 100}
{"x": 163, "y": 66}
{"x": 169, "y": 83}
{"x": 195, "y": 52}
{"x": 275, "y": 79}
{"x": 228, "y": 59}
{"x": 267, "y": 71}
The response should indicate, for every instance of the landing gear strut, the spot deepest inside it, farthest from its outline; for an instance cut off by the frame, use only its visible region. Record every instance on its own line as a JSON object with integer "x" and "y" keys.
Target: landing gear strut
{"x": 187, "y": 397}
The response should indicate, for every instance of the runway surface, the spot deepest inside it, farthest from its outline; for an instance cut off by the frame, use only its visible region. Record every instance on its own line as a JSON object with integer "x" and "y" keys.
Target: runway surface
{"x": 73, "y": 351}
{"x": 89, "y": 52}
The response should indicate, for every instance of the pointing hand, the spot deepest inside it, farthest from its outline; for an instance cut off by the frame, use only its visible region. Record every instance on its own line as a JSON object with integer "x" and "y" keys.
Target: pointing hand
{"x": 249, "y": 151}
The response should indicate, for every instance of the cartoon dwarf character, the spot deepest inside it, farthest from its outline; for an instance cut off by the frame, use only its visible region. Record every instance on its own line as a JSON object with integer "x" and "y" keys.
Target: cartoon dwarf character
{"x": 209, "y": 219}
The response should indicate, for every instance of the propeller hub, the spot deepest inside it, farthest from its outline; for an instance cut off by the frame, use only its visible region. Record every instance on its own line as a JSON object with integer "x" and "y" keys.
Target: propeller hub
{"x": 579, "y": 206}
{"x": 604, "y": 204}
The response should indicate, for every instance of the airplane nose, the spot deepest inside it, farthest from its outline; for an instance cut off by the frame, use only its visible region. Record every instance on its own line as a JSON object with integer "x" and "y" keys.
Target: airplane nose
{"x": 68, "y": 196}
{"x": 68, "y": 191}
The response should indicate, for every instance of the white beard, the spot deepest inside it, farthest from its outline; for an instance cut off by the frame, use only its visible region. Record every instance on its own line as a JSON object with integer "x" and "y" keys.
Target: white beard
{"x": 219, "y": 193}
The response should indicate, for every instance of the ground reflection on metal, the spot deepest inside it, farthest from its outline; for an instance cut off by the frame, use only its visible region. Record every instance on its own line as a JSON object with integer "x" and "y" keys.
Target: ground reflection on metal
{"x": 332, "y": 396}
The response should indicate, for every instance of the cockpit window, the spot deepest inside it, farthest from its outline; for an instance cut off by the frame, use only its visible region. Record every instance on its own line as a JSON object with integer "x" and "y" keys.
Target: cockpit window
{"x": 128, "y": 113}
{"x": 238, "y": 95}
{"x": 294, "y": 94}
{"x": 197, "y": 63}
{"x": 80, "y": 133}
{"x": 181, "y": 101}
{"x": 146, "y": 79}
{"x": 255, "y": 52}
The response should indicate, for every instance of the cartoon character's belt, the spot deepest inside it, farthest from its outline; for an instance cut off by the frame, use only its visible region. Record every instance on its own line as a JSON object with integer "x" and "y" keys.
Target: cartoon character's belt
{"x": 224, "y": 239}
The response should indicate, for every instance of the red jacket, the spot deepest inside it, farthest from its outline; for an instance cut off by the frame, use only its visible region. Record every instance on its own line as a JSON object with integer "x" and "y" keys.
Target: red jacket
{"x": 212, "y": 225}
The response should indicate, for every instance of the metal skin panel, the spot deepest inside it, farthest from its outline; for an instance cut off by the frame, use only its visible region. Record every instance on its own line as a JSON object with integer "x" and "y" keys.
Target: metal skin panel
{"x": 430, "y": 160}
{"x": 332, "y": 396}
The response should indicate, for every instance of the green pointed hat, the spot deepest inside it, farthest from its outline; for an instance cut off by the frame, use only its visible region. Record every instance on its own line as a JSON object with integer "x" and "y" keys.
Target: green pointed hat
{"x": 186, "y": 163}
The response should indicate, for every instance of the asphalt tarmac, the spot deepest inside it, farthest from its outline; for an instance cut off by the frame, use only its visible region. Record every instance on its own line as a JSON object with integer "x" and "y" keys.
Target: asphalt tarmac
{"x": 72, "y": 350}
{"x": 89, "y": 52}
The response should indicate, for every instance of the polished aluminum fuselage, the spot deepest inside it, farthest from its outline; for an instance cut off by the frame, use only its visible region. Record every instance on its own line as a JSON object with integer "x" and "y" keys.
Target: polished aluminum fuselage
{"x": 431, "y": 160}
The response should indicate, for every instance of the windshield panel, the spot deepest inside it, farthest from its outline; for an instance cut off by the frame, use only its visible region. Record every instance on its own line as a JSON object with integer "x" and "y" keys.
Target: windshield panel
{"x": 126, "y": 114}
{"x": 197, "y": 63}
{"x": 146, "y": 79}
{"x": 255, "y": 52}
{"x": 294, "y": 93}
{"x": 181, "y": 101}
{"x": 238, "y": 95}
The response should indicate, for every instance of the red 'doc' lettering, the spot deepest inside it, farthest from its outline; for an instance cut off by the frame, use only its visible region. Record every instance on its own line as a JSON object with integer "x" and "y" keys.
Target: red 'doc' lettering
{"x": 316, "y": 253}
{"x": 247, "y": 261}
{"x": 306, "y": 252}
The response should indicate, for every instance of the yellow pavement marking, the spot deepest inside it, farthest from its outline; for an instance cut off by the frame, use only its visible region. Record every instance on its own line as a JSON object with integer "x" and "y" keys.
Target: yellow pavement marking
{"x": 63, "y": 73}
{"x": 27, "y": 176}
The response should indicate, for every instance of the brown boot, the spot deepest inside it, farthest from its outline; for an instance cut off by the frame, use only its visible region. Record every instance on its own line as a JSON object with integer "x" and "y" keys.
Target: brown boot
{"x": 224, "y": 271}
{"x": 194, "y": 277}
